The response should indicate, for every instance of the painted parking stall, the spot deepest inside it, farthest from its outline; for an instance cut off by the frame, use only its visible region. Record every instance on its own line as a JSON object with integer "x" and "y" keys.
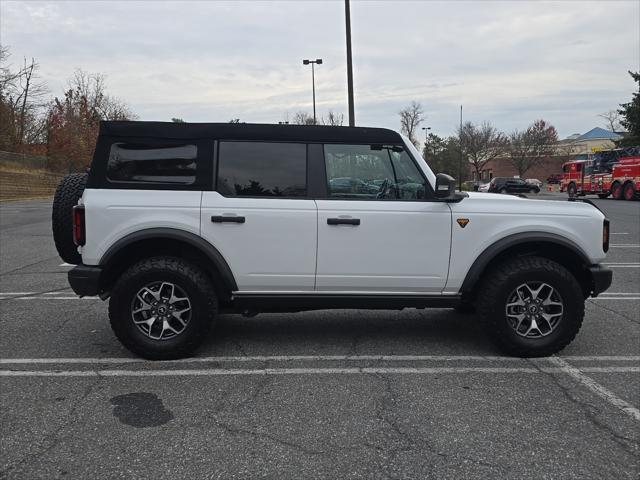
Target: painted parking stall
{"x": 312, "y": 394}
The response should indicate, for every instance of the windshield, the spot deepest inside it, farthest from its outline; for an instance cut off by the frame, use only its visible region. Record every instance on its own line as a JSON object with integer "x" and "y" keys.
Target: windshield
{"x": 422, "y": 163}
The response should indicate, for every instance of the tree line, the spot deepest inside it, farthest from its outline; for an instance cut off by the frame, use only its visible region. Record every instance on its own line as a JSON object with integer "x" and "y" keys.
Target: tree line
{"x": 478, "y": 144}
{"x": 65, "y": 127}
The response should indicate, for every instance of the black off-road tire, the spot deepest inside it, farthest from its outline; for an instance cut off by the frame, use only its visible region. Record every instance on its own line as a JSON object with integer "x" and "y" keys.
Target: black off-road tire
{"x": 191, "y": 279}
{"x": 466, "y": 308}
{"x": 498, "y": 284}
{"x": 67, "y": 194}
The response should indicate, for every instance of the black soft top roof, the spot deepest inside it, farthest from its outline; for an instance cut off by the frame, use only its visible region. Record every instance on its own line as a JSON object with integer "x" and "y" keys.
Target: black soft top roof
{"x": 250, "y": 131}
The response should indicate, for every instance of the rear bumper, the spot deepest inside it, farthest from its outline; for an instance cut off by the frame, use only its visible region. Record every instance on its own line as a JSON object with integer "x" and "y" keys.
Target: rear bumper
{"x": 85, "y": 280}
{"x": 600, "y": 279}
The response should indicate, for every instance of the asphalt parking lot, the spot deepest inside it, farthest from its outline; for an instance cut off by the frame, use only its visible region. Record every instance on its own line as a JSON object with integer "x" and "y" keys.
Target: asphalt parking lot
{"x": 346, "y": 394}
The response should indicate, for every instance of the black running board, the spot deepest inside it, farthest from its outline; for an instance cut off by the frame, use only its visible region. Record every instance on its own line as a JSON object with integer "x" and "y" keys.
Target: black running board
{"x": 255, "y": 303}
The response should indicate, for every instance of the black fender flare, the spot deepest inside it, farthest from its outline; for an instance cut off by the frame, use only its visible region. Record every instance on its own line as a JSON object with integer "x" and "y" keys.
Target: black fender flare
{"x": 482, "y": 261}
{"x": 192, "y": 239}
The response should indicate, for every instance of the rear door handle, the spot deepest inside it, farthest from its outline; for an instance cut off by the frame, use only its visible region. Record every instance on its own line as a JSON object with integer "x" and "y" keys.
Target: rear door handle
{"x": 343, "y": 221}
{"x": 227, "y": 219}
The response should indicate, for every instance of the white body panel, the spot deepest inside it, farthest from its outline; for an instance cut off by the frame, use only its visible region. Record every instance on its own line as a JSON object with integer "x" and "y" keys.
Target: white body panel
{"x": 274, "y": 250}
{"x": 286, "y": 245}
{"x": 112, "y": 214}
{"x": 398, "y": 246}
{"x": 493, "y": 217}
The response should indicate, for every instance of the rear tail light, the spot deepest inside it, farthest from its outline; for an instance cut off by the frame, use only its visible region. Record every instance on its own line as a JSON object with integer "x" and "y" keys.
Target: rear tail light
{"x": 78, "y": 225}
{"x": 605, "y": 236}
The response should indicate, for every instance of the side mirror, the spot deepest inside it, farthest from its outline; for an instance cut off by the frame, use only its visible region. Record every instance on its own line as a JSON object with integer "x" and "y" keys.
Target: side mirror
{"x": 446, "y": 189}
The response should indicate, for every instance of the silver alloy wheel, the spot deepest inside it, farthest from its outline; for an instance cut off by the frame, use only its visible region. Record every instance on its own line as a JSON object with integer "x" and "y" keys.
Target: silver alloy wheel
{"x": 534, "y": 309}
{"x": 161, "y": 310}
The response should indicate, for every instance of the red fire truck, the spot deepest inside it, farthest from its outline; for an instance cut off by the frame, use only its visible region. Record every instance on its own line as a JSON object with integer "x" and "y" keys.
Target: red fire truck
{"x": 611, "y": 172}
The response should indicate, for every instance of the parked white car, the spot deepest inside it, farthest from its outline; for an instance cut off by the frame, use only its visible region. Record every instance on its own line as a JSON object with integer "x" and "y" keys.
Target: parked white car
{"x": 178, "y": 222}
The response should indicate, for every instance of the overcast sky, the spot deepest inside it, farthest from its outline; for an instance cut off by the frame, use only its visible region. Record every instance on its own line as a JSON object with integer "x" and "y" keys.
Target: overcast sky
{"x": 508, "y": 62}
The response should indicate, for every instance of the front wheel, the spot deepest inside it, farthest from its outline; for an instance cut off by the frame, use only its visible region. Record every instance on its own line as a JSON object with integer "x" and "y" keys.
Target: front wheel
{"x": 531, "y": 306}
{"x": 162, "y": 308}
{"x": 572, "y": 190}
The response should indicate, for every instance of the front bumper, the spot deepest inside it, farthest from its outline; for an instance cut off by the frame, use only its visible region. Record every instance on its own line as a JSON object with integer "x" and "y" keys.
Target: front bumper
{"x": 600, "y": 279}
{"x": 85, "y": 280}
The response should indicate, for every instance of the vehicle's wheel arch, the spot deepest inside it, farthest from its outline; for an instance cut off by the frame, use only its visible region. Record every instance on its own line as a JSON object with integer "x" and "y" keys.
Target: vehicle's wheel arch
{"x": 166, "y": 241}
{"x": 549, "y": 245}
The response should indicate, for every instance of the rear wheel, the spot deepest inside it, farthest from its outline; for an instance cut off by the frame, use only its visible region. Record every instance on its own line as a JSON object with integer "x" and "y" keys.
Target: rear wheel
{"x": 616, "y": 191}
{"x": 162, "y": 308}
{"x": 532, "y": 306}
{"x": 629, "y": 192}
{"x": 503, "y": 190}
{"x": 67, "y": 194}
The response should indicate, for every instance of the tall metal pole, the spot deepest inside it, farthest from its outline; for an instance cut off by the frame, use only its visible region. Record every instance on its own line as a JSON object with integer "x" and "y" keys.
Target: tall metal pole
{"x": 460, "y": 163}
{"x": 347, "y": 16}
{"x": 313, "y": 87}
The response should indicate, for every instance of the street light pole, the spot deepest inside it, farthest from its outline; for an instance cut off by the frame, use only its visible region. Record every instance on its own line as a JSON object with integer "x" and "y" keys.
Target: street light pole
{"x": 426, "y": 139}
{"x": 347, "y": 18}
{"x": 460, "y": 163}
{"x": 313, "y": 82}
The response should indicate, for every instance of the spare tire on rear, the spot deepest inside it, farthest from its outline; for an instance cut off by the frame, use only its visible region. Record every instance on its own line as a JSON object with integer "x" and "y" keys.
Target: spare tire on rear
{"x": 66, "y": 197}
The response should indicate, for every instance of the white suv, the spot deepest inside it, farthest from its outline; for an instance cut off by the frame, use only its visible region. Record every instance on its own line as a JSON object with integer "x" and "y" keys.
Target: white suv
{"x": 178, "y": 222}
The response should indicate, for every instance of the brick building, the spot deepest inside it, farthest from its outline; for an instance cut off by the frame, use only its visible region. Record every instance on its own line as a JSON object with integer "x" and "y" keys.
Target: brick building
{"x": 575, "y": 147}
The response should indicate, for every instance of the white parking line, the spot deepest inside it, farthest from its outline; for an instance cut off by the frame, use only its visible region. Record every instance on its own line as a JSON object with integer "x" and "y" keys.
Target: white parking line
{"x": 601, "y": 297}
{"x": 621, "y": 293}
{"x": 314, "y": 371}
{"x": 619, "y": 233}
{"x": 311, "y": 358}
{"x": 625, "y": 245}
{"x": 65, "y": 264}
{"x": 596, "y": 388}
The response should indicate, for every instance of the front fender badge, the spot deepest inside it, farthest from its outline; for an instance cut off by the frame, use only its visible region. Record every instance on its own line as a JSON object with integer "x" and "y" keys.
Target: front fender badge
{"x": 462, "y": 222}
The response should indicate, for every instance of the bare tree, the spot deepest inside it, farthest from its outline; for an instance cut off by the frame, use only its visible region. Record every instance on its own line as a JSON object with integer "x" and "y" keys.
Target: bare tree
{"x": 611, "y": 120}
{"x": 410, "y": 119}
{"x": 480, "y": 144}
{"x": 302, "y": 118}
{"x": 335, "y": 119}
{"x": 177, "y": 120}
{"x": 22, "y": 98}
{"x": 527, "y": 149}
{"x": 92, "y": 88}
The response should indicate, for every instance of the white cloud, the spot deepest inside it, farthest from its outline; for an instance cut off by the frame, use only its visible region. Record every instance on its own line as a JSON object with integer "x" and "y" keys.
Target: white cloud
{"x": 508, "y": 62}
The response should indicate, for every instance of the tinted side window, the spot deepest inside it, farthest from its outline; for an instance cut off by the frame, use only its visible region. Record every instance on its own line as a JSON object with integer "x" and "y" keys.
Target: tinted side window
{"x": 145, "y": 163}
{"x": 372, "y": 172}
{"x": 261, "y": 169}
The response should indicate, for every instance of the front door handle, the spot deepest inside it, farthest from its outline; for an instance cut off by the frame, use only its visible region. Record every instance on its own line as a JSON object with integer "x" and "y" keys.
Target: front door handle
{"x": 227, "y": 219}
{"x": 343, "y": 221}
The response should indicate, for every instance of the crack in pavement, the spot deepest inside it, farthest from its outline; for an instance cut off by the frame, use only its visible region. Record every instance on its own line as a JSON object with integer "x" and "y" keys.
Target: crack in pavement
{"x": 54, "y": 438}
{"x": 632, "y": 320}
{"x": 590, "y": 411}
{"x": 382, "y": 413}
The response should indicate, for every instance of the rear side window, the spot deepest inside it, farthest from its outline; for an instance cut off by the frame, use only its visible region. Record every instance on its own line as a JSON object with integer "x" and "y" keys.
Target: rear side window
{"x": 152, "y": 164}
{"x": 262, "y": 169}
